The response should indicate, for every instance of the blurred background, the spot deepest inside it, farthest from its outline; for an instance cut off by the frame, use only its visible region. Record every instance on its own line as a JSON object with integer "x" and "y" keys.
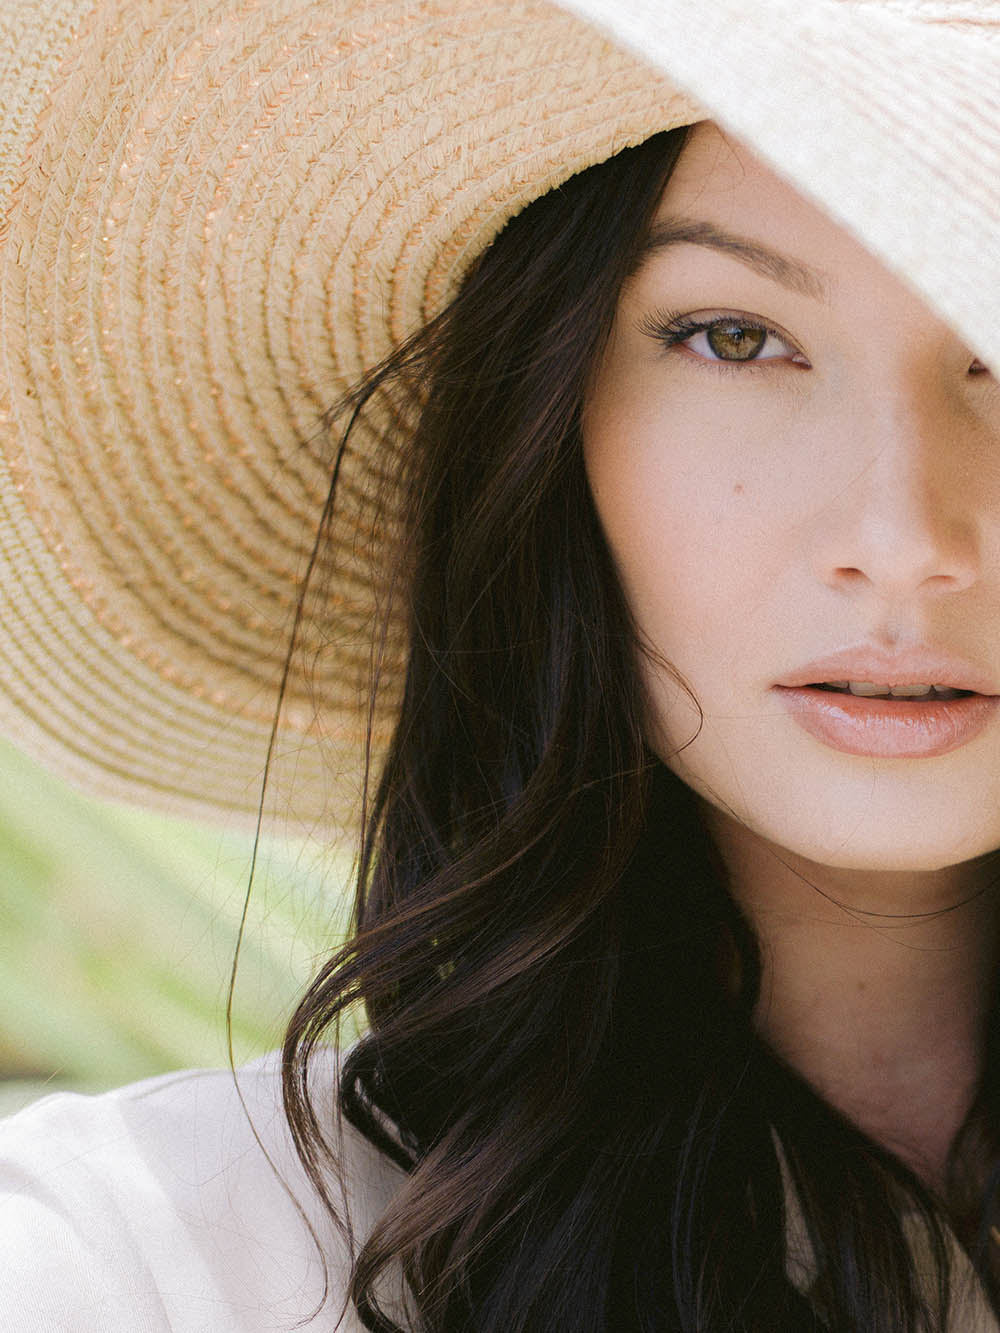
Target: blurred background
{"x": 118, "y": 929}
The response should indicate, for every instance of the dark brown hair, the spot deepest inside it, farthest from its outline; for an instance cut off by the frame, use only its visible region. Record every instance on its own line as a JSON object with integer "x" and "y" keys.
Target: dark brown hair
{"x": 589, "y": 1124}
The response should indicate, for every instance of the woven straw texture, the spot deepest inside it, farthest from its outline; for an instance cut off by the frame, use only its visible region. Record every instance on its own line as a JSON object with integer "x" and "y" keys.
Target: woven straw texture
{"x": 215, "y": 216}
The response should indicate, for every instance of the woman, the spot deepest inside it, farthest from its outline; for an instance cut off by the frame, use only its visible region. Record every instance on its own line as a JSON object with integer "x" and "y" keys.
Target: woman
{"x": 675, "y": 930}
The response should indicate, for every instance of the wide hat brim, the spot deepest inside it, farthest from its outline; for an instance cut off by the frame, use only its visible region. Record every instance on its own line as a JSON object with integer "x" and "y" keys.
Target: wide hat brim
{"x": 215, "y": 216}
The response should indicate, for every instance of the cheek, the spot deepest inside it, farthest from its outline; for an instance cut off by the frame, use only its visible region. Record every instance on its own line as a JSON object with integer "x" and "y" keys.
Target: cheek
{"x": 678, "y": 518}
{"x": 705, "y": 494}
{"x": 698, "y": 511}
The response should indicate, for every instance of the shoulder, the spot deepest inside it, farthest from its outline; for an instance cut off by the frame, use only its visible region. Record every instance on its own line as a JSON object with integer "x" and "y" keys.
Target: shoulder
{"x": 175, "y": 1203}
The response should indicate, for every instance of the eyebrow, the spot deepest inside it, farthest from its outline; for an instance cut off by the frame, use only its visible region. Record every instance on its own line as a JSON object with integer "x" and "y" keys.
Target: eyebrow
{"x": 791, "y": 273}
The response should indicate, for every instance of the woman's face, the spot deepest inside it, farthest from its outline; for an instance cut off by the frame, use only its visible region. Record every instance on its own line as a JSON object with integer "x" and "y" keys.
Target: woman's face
{"x": 805, "y": 494}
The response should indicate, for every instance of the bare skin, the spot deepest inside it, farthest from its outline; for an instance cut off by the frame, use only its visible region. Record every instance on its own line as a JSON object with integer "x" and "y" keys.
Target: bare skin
{"x": 882, "y": 1013}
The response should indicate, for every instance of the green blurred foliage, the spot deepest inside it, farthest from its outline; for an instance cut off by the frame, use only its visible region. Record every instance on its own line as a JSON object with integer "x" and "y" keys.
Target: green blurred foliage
{"x": 118, "y": 929}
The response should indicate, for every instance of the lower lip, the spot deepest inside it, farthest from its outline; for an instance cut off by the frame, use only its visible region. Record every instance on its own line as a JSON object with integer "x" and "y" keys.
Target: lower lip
{"x": 888, "y": 728}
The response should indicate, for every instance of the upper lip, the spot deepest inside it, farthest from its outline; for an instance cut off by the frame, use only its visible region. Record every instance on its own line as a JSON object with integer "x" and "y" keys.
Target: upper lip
{"x": 881, "y": 666}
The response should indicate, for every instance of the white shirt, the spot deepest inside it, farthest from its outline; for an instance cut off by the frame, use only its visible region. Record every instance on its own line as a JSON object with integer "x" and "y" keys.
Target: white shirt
{"x": 154, "y": 1208}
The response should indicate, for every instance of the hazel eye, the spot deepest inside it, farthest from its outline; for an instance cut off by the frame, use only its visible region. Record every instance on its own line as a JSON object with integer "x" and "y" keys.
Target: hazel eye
{"x": 737, "y": 340}
{"x": 723, "y": 339}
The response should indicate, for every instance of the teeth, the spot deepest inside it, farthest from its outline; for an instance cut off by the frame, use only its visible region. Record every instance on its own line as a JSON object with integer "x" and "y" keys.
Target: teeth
{"x": 867, "y": 689}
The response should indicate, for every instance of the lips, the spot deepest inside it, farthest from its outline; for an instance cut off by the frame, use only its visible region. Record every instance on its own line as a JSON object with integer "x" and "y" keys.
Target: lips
{"x": 865, "y": 701}
{"x": 872, "y": 664}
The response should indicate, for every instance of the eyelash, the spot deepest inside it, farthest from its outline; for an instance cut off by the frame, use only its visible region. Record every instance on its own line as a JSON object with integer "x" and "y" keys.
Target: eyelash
{"x": 672, "y": 330}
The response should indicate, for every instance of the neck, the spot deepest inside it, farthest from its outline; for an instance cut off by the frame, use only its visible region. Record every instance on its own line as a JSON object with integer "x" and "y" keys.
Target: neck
{"x": 876, "y": 986}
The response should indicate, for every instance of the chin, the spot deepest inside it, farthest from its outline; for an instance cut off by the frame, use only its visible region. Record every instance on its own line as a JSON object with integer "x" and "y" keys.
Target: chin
{"x": 875, "y": 852}
{"x": 869, "y": 823}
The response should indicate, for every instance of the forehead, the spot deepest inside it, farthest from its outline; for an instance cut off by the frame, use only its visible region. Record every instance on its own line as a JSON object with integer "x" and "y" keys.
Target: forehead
{"x": 720, "y": 181}
{"x": 719, "y": 172}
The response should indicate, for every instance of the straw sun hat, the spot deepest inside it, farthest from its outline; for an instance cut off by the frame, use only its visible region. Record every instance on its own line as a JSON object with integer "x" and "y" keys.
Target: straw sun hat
{"x": 215, "y": 214}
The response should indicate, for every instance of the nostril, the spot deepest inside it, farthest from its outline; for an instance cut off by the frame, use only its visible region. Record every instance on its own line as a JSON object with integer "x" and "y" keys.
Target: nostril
{"x": 852, "y": 577}
{"x": 942, "y": 581}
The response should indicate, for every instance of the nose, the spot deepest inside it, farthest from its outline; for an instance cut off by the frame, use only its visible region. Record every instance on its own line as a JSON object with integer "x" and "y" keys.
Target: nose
{"x": 905, "y": 520}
